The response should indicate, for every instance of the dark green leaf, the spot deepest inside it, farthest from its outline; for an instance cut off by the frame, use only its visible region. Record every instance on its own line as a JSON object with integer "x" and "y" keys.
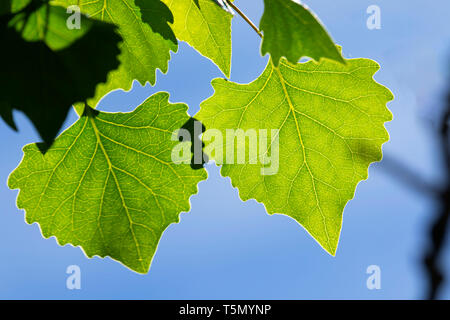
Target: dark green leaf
{"x": 44, "y": 83}
{"x": 292, "y": 31}
{"x": 143, "y": 50}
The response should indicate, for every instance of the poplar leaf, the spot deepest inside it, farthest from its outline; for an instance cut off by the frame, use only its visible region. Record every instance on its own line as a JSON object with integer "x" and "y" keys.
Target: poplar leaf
{"x": 206, "y": 27}
{"x": 330, "y": 118}
{"x": 292, "y": 31}
{"x": 108, "y": 183}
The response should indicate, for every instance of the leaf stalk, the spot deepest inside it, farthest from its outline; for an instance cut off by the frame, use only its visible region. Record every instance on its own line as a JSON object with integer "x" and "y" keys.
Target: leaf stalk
{"x": 243, "y": 16}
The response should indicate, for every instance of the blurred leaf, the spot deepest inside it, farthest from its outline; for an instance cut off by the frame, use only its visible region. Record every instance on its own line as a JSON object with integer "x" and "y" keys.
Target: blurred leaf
{"x": 49, "y": 24}
{"x": 142, "y": 51}
{"x": 12, "y": 6}
{"x": 44, "y": 83}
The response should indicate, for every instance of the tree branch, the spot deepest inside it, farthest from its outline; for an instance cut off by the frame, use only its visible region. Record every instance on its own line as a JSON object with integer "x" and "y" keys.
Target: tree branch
{"x": 439, "y": 226}
{"x": 438, "y": 229}
{"x": 409, "y": 177}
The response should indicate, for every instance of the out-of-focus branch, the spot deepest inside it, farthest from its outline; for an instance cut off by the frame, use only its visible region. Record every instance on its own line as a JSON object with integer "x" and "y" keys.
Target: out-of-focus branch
{"x": 441, "y": 194}
{"x": 408, "y": 176}
{"x": 440, "y": 225}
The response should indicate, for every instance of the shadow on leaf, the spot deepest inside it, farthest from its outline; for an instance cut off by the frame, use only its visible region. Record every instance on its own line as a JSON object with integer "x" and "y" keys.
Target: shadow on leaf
{"x": 157, "y": 15}
{"x": 198, "y": 157}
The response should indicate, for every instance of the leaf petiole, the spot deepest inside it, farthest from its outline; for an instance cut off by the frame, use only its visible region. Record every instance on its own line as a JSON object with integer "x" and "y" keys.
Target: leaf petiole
{"x": 243, "y": 16}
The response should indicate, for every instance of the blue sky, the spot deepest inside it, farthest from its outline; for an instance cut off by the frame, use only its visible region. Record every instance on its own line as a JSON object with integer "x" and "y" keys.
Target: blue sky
{"x": 228, "y": 249}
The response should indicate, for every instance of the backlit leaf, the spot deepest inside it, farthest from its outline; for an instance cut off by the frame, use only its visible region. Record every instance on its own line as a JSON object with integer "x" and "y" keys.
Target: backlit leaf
{"x": 330, "y": 118}
{"x": 206, "y": 27}
{"x": 108, "y": 183}
{"x": 292, "y": 31}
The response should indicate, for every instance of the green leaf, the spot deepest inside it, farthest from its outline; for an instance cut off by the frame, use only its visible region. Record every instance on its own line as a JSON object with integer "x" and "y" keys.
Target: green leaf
{"x": 49, "y": 24}
{"x": 158, "y": 16}
{"x": 330, "y": 118}
{"x": 292, "y": 31}
{"x": 12, "y": 6}
{"x": 143, "y": 50}
{"x": 206, "y": 27}
{"x": 108, "y": 183}
{"x": 52, "y": 65}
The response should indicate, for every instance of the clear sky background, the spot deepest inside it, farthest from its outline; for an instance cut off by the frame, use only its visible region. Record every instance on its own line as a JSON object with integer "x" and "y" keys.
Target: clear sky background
{"x": 228, "y": 249}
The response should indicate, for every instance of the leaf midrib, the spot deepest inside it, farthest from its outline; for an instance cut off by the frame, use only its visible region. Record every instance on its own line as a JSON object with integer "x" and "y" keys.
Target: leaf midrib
{"x": 305, "y": 162}
{"x": 111, "y": 170}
